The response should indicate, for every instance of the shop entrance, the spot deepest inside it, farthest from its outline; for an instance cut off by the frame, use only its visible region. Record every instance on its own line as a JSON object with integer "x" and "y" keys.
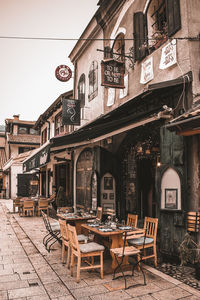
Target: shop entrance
{"x": 146, "y": 187}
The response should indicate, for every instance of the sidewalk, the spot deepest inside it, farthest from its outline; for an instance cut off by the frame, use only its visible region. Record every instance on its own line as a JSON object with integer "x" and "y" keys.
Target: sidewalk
{"x": 29, "y": 272}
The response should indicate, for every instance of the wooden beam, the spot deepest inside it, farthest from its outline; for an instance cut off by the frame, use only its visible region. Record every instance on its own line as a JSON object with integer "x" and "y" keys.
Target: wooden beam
{"x": 189, "y": 132}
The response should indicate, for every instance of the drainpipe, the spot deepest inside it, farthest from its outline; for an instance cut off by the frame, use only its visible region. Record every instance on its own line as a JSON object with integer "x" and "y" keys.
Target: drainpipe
{"x": 49, "y": 127}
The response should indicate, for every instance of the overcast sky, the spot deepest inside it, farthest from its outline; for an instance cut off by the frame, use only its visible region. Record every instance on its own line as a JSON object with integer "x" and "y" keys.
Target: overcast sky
{"x": 28, "y": 84}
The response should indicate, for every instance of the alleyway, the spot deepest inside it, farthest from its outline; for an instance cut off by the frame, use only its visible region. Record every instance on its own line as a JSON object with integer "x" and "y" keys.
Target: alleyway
{"x": 29, "y": 272}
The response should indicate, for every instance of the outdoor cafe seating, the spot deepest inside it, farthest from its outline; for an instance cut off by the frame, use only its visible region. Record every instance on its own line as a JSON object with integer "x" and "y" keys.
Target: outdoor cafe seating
{"x": 85, "y": 251}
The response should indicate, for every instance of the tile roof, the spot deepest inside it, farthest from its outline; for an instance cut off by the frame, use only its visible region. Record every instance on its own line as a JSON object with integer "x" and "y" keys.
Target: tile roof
{"x": 24, "y": 138}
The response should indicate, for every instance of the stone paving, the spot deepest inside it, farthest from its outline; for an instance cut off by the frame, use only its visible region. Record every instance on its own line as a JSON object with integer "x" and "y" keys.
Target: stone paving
{"x": 29, "y": 272}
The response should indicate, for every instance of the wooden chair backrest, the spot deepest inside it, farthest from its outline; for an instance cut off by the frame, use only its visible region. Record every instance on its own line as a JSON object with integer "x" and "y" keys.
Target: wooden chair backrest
{"x": 16, "y": 201}
{"x": 99, "y": 213}
{"x": 73, "y": 239}
{"x": 132, "y": 220}
{"x": 64, "y": 230}
{"x": 28, "y": 204}
{"x": 66, "y": 208}
{"x": 43, "y": 203}
{"x": 110, "y": 212}
{"x": 79, "y": 206}
{"x": 151, "y": 226}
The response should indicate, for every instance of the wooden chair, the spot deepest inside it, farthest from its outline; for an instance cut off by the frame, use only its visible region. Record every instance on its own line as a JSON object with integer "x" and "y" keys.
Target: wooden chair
{"x": 132, "y": 220}
{"x": 43, "y": 204}
{"x": 88, "y": 250}
{"x": 99, "y": 214}
{"x": 28, "y": 208}
{"x": 65, "y": 241}
{"x": 150, "y": 227}
{"x": 66, "y": 209}
{"x": 17, "y": 203}
{"x": 122, "y": 252}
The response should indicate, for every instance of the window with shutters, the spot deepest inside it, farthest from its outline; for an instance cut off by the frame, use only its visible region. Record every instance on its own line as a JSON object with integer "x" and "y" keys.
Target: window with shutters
{"x": 160, "y": 21}
{"x": 93, "y": 80}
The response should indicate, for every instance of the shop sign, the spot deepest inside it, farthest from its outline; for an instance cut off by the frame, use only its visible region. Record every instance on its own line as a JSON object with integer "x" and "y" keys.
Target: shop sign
{"x": 147, "y": 71}
{"x": 168, "y": 56}
{"x": 112, "y": 73}
{"x": 63, "y": 73}
{"x": 70, "y": 111}
{"x": 39, "y": 159}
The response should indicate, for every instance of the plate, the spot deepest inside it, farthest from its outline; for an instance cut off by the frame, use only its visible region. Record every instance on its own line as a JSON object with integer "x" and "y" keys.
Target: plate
{"x": 105, "y": 229}
{"x": 125, "y": 227}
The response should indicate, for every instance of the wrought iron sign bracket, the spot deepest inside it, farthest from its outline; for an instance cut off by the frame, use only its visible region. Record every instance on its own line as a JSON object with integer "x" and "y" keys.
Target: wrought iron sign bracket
{"x": 130, "y": 57}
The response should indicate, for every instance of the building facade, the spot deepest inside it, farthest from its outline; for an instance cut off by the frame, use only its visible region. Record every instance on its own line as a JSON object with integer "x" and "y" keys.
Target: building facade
{"x": 123, "y": 155}
{"x": 20, "y": 139}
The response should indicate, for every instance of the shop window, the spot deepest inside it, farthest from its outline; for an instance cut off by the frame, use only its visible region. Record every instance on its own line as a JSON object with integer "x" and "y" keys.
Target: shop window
{"x": 59, "y": 128}
{"x": 161, "y": 20}
{"x": 93, "y": 80}
{"x": 44, "y": 136}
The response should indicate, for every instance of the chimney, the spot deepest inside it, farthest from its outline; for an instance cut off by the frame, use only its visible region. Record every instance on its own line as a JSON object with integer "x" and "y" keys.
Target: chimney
{"x": 16, "y": 117}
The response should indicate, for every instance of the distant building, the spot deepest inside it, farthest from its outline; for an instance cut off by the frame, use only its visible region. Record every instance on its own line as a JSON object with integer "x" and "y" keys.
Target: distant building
{"x": 20, "y": 138}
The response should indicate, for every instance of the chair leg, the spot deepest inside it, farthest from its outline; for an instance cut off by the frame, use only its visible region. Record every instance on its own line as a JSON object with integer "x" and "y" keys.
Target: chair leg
{"x": 101, "y": 259}
{"x": 155, "y": 255}
{"x": 72, "y": 265}
{"x": 78, "y": 269}
{"x": 68, "y": 256}
{"x": 63, "y": 253}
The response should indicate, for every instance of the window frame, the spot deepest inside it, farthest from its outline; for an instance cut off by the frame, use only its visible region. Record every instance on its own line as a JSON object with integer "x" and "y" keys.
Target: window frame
{"x": 93, "y": 80}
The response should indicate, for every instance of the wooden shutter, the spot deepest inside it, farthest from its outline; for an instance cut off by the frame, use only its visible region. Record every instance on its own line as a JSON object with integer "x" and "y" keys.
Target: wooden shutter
{"x": 173, "y": 16}
{"x": 172, "y": 148}
{"x": 139, "y": 34}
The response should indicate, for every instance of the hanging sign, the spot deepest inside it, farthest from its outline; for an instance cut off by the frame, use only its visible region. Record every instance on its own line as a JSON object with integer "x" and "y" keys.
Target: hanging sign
{"x": 168, "y": 56}
{"x": 70, "y": 112}
{"x": 147, "y": 71}
{"x": 112, "y": 73}
{"x": 63, "y": 73}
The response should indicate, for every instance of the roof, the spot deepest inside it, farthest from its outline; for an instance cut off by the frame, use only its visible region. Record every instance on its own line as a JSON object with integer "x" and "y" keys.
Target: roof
{"x": 186, "y": 124}
{"x": 51, "y": 109}
{"x": 17, "y": 159}
{"x": 24, "y": 139}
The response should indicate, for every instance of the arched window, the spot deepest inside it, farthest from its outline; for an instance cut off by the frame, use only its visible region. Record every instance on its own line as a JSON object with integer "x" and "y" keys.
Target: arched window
{"x": 118, "y": 48}
{"x": 93, "y": 80}
{"x": 81, "y": 90}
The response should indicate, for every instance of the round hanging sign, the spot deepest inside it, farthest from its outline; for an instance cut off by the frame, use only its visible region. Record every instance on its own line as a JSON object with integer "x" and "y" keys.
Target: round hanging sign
{"x": 63, "y": 73}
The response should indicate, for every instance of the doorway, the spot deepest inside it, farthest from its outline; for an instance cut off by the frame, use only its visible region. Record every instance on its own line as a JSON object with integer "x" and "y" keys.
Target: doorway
{"x": 146, "y": 187}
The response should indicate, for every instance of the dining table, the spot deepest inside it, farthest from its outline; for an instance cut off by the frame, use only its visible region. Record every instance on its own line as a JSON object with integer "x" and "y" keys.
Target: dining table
{"x": 115, "y": 236}
{"x": 76, "y": 219}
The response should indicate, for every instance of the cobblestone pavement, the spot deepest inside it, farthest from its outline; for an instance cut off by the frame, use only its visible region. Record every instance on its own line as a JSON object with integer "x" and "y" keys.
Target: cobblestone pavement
{"x": 29, "y": 272}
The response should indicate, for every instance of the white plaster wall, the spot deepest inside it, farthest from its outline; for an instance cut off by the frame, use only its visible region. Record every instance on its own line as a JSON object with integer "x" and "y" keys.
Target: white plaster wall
{"x": 15, "y": 169}
{"x": 170, "y": 180}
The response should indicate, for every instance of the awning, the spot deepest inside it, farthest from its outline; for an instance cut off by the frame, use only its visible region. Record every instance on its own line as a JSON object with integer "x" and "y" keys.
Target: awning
{"x": 17, "y": 159}
{"x": 187, "y": 124}
{"x": 127, "y": 116}
{"x": 38, "y": 158}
